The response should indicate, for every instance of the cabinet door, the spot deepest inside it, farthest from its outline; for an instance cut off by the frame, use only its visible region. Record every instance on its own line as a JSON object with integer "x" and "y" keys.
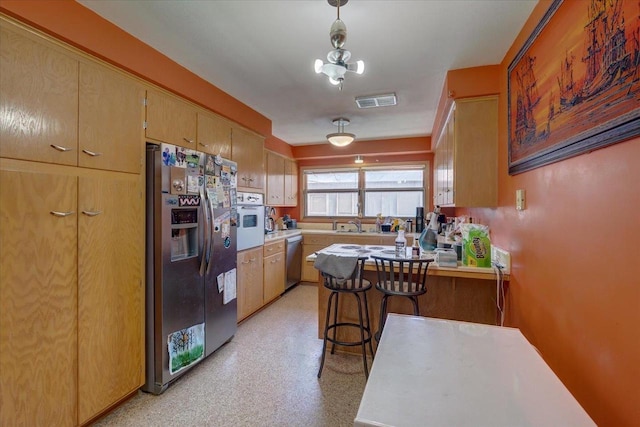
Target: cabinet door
{"x": 39, "y": 101}
{"x": 247, "y": 149}
{"x": 110, "y": 291}
{"x": 111, "y": 116}
{"x": 274, "y": 276}
{"x": 275, "y": 179}
{"x": 290, "y": 183}
{"x": 250, "y": 278}
{"x": 171, "y": 120}
{"x": 38, "y": 296}
{"x": 214, "y": 135}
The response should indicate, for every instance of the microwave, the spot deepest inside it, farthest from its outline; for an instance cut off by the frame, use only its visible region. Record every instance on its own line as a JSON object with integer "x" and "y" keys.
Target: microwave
{"x": 250, "y": 220}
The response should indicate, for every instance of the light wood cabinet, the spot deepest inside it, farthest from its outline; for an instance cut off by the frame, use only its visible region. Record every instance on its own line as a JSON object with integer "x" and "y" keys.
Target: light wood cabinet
{"x": 247, "y": 149}
{"x": 214, "y": 135}
{"x": 107, "y": 98}
{"x": 38, "y": 296}
{"x": 282, "y": 180}
{"x": 275, "y": 179}
{"x": 72, "y": 227}
{"x": 39, "y": 101}
{"x": 290, "y": 183}
{"x": 250, "y": 281}
{"x": 274, "y": 270}
{"x": 110, "y": 291}
{"x": 170, "y": 119}
{"x": 466, "y": 157}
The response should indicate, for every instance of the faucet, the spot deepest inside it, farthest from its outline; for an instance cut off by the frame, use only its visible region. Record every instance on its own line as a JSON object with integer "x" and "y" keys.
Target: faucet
{"x": 357, "y": 223}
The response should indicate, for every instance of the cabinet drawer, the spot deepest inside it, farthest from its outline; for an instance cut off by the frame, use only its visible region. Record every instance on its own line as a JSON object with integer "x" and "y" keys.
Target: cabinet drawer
{"x": 273, "y": 248}
{"x": 319, "y": 240}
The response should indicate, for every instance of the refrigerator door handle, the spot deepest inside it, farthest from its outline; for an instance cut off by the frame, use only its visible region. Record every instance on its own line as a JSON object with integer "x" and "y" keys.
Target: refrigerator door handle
{"x": 211, "y": 230}
{"x": 205, "y": 246}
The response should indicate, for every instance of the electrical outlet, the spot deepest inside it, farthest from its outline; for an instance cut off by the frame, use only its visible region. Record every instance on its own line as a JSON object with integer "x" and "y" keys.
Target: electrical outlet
{"x": 520, "y": 203}
{"x": 501, "y": 257}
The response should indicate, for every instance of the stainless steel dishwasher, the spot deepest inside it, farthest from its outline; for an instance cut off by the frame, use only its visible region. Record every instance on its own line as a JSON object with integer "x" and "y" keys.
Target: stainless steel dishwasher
{"x": 293, "y": 250}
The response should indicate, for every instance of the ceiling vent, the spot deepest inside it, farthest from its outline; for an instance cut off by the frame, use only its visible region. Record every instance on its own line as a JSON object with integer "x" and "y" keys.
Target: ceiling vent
{"x": 372, "y": 101}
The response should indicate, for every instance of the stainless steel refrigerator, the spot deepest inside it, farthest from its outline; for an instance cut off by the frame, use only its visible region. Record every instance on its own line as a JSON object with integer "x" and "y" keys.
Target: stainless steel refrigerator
{"x": 191, "y": 256}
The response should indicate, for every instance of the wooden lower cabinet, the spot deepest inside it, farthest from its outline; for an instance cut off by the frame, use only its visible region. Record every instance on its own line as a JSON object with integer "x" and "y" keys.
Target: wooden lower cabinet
{"x": 38, "y": 296}
{"x": 110, "y": 292}
{"x": 250, "y": 278}
{"x": 274, "y": 270}
{"x": 71, "y": 292}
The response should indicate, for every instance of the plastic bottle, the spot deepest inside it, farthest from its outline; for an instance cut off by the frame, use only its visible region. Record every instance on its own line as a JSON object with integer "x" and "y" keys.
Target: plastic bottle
{"x": 379, "y": 223}
{"x": 401, "y": 245}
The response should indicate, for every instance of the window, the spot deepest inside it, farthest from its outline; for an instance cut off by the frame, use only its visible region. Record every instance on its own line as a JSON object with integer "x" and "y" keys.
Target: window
{"x": 391, "y": 191}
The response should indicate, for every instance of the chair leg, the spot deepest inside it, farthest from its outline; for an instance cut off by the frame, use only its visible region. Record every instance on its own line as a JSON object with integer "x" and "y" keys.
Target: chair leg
{"x": 364, "y": 348}
{"x": 335, "y": 321}
{"x": 383, "y": 312}
{"x": 368, "y": 319}
{"x": 326, "y": 332}
{"x": 416, "y": 308}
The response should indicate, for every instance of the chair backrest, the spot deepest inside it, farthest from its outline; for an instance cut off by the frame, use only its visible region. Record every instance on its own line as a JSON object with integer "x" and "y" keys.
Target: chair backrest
{"x": 401, "y": 276}
{"x": 356, "y": 282}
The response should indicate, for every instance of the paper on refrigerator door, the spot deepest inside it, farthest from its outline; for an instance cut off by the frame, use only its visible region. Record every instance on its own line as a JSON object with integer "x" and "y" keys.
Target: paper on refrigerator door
{"x": 229, "y": 286}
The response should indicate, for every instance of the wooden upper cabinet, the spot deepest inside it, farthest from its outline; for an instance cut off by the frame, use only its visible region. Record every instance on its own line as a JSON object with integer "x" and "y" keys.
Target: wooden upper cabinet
{"x": 290, "y": 182}
{"x": 275, "y": 179}
{"x": 39, "y": 99}
{"x": 466, "y": 159}
{"x": 111, "y": 120}
{"x": 214, "y": 135}
{"x": 170, "y": 119}
{"x": 247, "y": 149}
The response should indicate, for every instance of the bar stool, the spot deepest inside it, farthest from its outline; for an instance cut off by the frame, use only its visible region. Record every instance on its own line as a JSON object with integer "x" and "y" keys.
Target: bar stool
{"x": 336, "y": 278}
{"x": 405, "y": 277}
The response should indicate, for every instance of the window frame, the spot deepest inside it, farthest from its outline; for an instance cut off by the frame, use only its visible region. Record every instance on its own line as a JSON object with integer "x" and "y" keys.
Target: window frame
{"x": 361, "y": 189}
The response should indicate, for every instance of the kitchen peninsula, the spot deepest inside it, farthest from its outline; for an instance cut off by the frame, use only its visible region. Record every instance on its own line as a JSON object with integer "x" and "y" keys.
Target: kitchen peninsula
{"x": 463, "y": 293}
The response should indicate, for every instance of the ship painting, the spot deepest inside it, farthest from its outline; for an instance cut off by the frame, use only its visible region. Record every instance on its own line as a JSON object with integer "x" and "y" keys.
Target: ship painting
{"x": 591, "y": 87}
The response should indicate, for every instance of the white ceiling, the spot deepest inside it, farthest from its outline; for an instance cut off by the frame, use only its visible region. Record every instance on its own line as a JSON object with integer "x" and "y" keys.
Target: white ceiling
{"x": 262, "y": 53}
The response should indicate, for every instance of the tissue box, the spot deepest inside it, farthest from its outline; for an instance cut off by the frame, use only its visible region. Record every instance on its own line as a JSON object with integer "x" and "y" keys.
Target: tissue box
{"x": 476, "y": 246}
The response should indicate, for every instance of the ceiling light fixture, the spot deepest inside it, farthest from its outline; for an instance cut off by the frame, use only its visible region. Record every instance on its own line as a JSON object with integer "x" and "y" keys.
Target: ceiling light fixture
{"x": 359, "y": 159}
{"x": 341, "y": 138}
{"x": 338, "y": 66}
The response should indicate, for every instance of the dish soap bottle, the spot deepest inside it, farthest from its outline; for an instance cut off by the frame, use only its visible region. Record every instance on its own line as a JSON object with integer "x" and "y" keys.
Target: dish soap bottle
{"x": 401, "y": 245}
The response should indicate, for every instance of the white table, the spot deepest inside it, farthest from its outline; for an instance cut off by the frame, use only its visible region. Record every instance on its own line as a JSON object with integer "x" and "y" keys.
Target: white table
{"x": 432, "y": 372}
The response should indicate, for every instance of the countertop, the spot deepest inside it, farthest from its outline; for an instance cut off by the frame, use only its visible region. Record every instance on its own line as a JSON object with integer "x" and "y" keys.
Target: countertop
{"x": 433, "y": 372}
{"x": 434, "y": 269}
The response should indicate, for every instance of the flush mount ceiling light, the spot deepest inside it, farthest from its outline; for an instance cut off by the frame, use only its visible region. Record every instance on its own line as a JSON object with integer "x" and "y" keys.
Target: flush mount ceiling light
{"x": 359, "y": 159}
{"x": 337, "y": 66}
{"x": 341, "y": 138}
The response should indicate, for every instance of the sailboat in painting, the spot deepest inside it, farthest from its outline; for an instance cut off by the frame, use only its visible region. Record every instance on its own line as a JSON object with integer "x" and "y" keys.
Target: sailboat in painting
{"x": 527, "y": 99}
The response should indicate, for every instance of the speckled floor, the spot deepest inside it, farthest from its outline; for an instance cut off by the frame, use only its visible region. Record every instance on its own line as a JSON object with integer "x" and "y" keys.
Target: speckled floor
{"x": 266, "y": 376}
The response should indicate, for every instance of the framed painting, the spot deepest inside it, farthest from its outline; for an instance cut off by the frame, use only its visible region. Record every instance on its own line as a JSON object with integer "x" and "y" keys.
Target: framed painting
{"x": 575, "y": 85}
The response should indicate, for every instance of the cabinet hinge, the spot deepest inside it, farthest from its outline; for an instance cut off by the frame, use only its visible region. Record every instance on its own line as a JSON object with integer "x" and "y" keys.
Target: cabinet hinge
{"x": 144, "y": 124}
{"x": 144, "y": 102}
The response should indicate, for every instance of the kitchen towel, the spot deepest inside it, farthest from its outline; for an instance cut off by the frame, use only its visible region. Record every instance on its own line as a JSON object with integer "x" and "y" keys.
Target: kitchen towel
{"x": 340, "y": 267}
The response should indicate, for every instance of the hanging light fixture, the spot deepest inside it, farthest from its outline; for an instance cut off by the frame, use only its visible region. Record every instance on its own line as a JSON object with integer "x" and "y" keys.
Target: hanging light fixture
{"x": 337, "y": 66}
{"x": 341, "y": 138}
{"x": 359, "y": 159}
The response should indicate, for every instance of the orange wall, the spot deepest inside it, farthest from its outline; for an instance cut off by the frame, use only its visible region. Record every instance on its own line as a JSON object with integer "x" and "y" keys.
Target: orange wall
{"x": 575, "y": 280}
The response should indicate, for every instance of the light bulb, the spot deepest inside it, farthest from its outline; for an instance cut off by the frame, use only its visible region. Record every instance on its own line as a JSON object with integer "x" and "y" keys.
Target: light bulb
{"x": 360, "y": 68}
{"x": 318, "y": 66}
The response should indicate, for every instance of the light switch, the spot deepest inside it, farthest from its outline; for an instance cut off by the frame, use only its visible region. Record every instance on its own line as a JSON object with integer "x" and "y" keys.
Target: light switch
{"x": 520, "y": 200}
